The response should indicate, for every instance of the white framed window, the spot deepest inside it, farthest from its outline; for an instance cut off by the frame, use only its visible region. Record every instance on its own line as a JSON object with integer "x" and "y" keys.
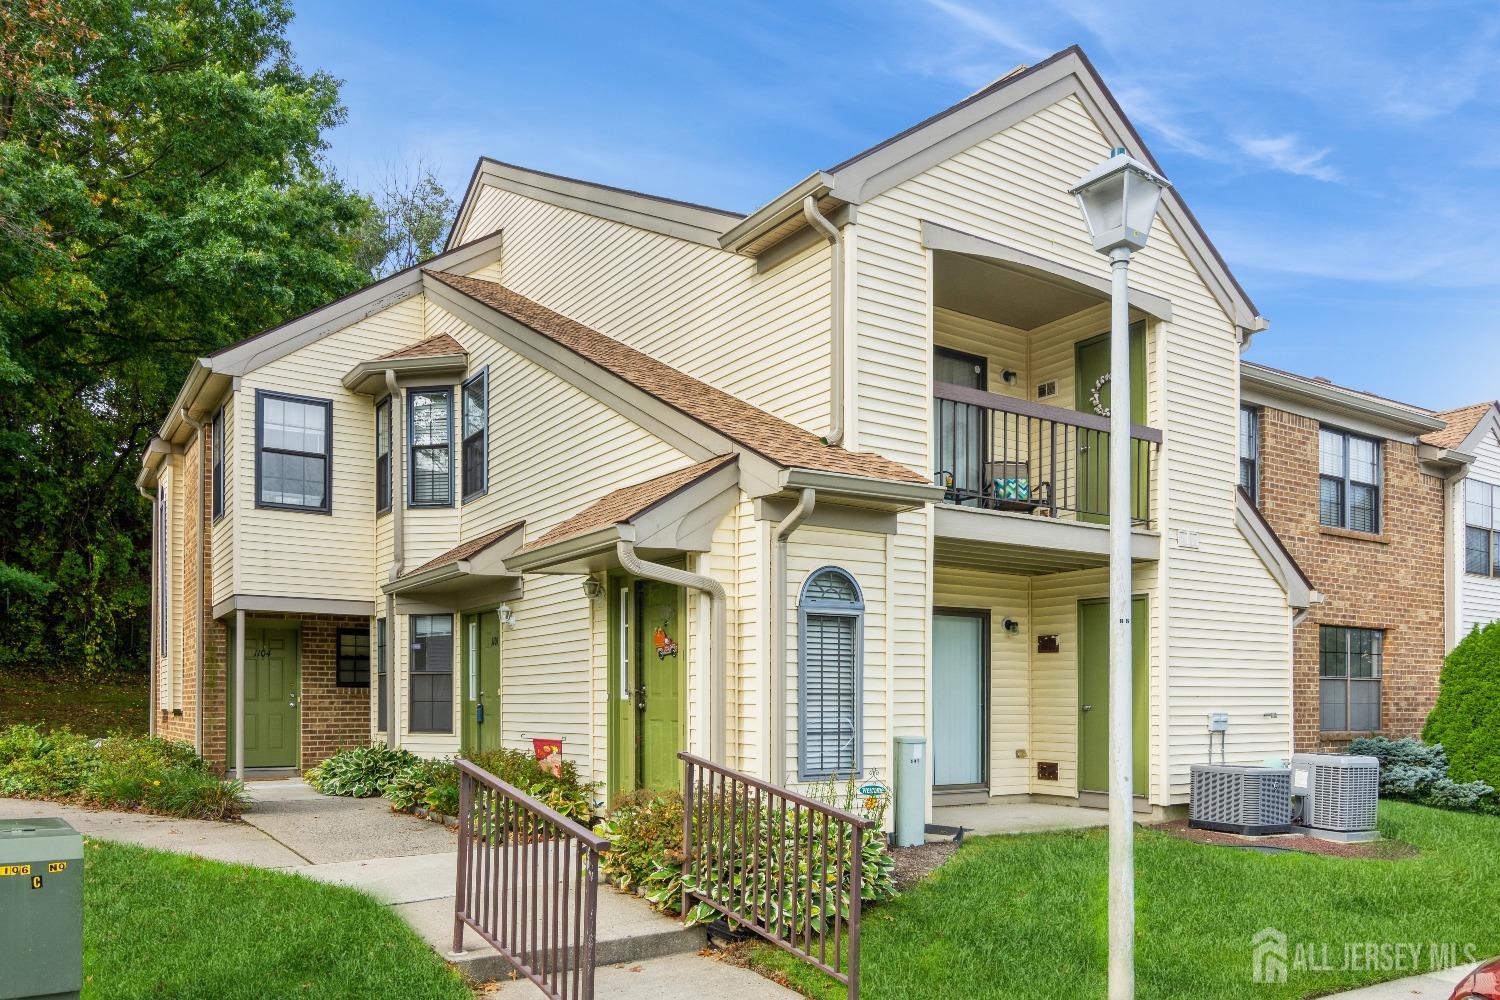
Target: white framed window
{"x": 1348, "y": 481}
{"x": 1481, "y": 528}
{"x": 1350, "y": 665}
{"x": 830, "y": 630}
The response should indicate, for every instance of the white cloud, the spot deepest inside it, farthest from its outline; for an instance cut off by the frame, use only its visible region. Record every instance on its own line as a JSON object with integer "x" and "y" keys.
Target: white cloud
{"x": 1288, "y": 154}
{"x": 991, "y": 28}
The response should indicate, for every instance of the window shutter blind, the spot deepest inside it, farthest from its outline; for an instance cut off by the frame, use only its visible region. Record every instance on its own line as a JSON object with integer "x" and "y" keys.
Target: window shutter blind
{"x": 830, "y": 713}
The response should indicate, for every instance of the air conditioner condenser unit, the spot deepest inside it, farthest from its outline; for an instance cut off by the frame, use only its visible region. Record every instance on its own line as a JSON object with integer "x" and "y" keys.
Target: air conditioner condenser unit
{"x": 1252, "y": 801}
{"x": 1336, "y": 796}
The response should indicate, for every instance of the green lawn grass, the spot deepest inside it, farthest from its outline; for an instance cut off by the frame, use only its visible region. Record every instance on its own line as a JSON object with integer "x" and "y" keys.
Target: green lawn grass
{"x": 94, "y": 708}
{"x": 1025, "y": 917}
{"x": 166, "y": 926}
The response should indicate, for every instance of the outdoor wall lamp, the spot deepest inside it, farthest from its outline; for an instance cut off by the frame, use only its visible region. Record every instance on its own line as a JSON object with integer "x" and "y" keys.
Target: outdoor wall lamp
{"x": 1011, "y": 626}
{"x": 593, "y": 589}
{"x": 1119, "y": 198}
{"x": 506, "y": 616}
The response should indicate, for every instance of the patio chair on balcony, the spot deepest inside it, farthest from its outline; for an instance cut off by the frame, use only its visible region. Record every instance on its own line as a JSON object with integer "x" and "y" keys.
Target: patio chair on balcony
{"x": 1008, "y": 487}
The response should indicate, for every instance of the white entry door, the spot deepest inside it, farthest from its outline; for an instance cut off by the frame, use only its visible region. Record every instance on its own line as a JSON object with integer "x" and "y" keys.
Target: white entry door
{"x": 959, "y": 685}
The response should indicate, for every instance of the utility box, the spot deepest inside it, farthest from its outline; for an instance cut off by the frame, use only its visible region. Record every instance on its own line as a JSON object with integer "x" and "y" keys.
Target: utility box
{"x": 911, "y": 791}
{"x": 41, "y": 909}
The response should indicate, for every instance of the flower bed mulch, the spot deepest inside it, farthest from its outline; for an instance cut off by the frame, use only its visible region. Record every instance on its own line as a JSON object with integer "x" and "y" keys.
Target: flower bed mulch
{"x": 1378, "y": 850}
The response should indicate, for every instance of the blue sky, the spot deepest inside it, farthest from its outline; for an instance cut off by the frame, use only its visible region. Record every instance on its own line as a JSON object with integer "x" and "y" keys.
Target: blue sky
{"x": 1344, "y": 156}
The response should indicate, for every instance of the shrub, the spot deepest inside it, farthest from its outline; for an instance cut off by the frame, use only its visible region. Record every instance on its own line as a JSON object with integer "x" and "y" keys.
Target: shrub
{"x": 1418, "y": 772}
{"x": 1466, "y": 718}
{"x": 360, "y": 772}
{"x": 563, "y": 792}
{"x": 645, "y": 835}
{"x": 119, "y": 772}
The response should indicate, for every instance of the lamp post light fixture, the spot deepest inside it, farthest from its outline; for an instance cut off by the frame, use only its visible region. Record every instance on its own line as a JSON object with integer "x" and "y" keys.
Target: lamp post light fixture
{"x": 1119, "y": 199}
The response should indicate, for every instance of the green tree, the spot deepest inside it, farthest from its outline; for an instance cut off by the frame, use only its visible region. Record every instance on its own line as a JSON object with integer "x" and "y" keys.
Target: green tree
{"x": 162, "y": 194}
{"x": 1466, "y": 718}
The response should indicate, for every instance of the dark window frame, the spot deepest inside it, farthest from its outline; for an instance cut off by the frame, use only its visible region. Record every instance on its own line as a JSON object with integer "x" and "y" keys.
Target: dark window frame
{"x": 382, "y": 676}
{"x": 383, "y": 481}
{"x": 354, "y": 670}
{"x": 809, "y": 605}
{"x": 216, "y": 438}
{"x": 1377, "y": 679}
{"x": 1490, "y": 530}
{"x": 412, "y": 447}
{"x": 1250, "y": 464}
{"x": 1346, "y": 480}
{"x": 413, "y": 675}
{"x": 261, "y": 395}
{"x": 482, "y": 377}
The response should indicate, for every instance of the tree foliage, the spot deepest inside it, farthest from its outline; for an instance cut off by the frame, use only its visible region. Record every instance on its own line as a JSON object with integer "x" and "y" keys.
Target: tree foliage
{"x": 162, "y": 194}
{"x": 410, "y": 222}
{"x": 1466, "y": 718}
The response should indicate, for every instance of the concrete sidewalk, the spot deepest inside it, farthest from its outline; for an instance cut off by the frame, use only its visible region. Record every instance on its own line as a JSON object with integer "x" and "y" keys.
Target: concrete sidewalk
{"x": 1430, "y": 986}
{"x": 411, "y": 865}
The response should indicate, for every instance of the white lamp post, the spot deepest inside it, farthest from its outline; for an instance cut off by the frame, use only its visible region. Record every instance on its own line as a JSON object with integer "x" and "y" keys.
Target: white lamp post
{"x": 1119, "y": 199}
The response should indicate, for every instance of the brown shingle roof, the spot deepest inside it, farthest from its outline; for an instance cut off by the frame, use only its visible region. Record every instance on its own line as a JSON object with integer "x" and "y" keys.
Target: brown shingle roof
{"x": 430, "y": 348}
{"x": 782, "y": 442}
{"x": 472, "y": 547}
{"x": 1461, "y": 423}
{"x": 624, "y": 504}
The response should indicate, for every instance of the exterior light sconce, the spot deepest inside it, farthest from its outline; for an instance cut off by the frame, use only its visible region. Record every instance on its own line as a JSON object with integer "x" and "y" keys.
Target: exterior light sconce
{"x": 506, "y": 616}
{"x": 593, "y": 589}
{"x": 1011, "y": 626}
{"x": 1009, "y": 377}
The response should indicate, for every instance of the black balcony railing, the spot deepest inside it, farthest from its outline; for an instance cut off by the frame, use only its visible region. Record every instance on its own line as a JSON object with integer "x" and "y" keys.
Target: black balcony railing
{"x": 999, "y": 453}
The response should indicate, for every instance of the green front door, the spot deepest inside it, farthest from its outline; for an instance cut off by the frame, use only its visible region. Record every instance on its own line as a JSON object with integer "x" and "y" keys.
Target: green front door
{"x": 1093, "y": 695}
{"x": 481, "y": 682}
{"x": 1091, "y": 377}
{"x": 659, "y": 659}
{"x": 272, "y": 695}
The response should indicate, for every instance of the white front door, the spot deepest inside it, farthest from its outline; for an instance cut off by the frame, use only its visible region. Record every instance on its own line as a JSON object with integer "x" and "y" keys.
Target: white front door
{"x": 959, "y": 687}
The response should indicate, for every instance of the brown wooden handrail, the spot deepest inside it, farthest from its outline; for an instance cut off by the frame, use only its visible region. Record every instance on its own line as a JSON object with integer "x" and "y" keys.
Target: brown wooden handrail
{"x": 1040, "y": 411}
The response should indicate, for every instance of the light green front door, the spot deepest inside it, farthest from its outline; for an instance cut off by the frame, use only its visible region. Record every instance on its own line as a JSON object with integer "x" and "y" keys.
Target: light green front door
{"x": 481, "y": 682}
{"x": 1093, "y": 695}
{"x": 272, "y": 697}
{"x": 1090, "y": 370}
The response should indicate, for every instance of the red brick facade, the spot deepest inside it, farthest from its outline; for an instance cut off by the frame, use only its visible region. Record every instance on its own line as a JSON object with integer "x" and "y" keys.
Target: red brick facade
{"x": 332, "y": 717}
{"x": 1392, "y": 581}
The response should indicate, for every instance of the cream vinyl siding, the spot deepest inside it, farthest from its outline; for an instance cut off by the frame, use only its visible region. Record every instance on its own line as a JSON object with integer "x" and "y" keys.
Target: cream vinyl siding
{"x": 1480, "y": 600}
{"x": 1225, "y": 622}
{"x": 299, "y": 554}
{"x": 1010, "y": 666}
{"x": 222, "y": 531}
{"x": 1001, "y": 346}
{"x": 750, "y": 641}
{"x": 761, "y": 337}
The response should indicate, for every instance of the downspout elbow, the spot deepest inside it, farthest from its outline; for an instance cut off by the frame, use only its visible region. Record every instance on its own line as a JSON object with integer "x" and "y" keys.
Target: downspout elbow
{"x": 830, "y": 232}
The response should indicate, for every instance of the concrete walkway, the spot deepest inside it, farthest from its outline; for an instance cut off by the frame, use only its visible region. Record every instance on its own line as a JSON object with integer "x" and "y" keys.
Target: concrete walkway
{"x": 1431, "y": 986}
{"x": 992, "y": 818}
{"x": 410, "y": 865}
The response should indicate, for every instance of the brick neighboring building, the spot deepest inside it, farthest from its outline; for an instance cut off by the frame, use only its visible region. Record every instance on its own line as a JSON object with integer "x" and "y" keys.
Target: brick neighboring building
{"x": 1360, "y": 502}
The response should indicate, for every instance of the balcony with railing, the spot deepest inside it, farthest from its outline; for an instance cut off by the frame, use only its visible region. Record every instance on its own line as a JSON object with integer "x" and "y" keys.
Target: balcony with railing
{"x": 1045, "y": 466}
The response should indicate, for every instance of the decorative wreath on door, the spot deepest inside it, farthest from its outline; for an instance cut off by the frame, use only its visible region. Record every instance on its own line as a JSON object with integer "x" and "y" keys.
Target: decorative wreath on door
{"x": 1094, "y": 400}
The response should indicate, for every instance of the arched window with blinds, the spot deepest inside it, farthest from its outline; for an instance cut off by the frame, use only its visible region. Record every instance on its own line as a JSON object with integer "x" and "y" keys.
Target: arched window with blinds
{"x": 830, "y": 620}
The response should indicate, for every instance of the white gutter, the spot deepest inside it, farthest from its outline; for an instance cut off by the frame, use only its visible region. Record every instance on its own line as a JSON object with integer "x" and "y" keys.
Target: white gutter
{"x": 197, "y": 426}
{"x": 835, "y": 239}
{"x": 398, "y": 554}
{"x": 805, "y": 503}
{"x": 718, "y": 615}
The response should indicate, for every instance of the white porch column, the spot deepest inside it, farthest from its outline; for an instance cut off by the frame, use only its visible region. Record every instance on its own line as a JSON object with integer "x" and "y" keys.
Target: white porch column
{"x": 239, "y": 694}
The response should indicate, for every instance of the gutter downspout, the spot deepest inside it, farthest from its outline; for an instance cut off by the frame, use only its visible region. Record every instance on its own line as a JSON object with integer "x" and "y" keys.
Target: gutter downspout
{"x": 718, "y": 615}
{"x": 784, "y": 529}
{"x": 830, "y": 232}
{"x": 197, "y": 426}
{"x": 155, "y": 614}
{"x": 398, "y": 556}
